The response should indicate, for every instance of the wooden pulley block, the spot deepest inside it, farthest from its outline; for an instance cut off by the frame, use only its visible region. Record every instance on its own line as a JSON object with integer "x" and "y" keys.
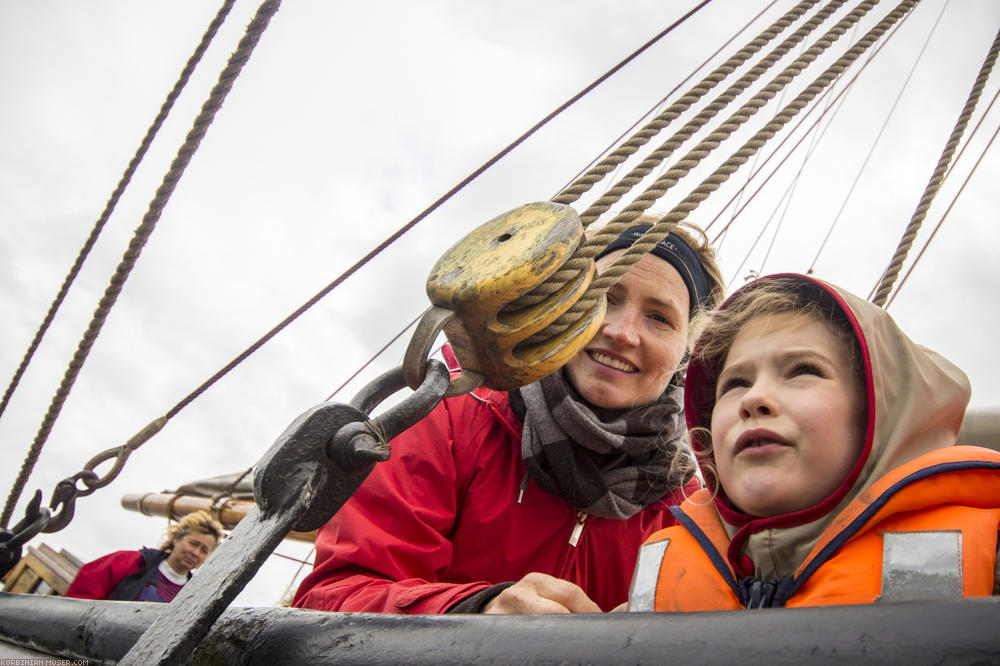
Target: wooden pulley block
{"x": 486, "y": 272}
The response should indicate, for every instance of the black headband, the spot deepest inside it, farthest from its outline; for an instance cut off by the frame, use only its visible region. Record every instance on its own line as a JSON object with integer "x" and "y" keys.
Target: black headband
{"x": 675, "y": 252}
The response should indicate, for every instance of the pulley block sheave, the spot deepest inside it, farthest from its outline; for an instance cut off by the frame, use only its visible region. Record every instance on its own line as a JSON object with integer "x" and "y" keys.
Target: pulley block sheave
{"x": 492, "y": 280}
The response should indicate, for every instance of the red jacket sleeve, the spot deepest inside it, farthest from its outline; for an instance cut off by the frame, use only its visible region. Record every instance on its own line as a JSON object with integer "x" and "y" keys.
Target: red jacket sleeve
{"x": 387, "y": 549}
{"x": 98, "y": 579}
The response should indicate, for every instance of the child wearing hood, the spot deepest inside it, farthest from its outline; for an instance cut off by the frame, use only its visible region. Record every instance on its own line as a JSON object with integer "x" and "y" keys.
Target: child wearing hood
{"x": 827, "y": 438}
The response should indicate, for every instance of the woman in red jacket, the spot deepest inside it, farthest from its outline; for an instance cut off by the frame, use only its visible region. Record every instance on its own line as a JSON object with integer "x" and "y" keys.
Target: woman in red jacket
{"x": 534, "y": 500}
{"x": 149, "y": 574}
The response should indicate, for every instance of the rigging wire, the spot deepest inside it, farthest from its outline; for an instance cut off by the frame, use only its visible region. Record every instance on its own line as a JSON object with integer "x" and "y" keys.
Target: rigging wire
{"x": 785, "y": 201}
{"x": 109, "y": 208}
{"x": 578, "y": 174}
{"x": 784, "y": 92}
{"x": 423, "y": 214}
{"x": 663, "y": 100}
{"x": 375, "y": 356}
{"x": 906, "y": 242}
{"x": 665, "y": 224}
{"x": 944, "y": 216}
{"x": 805, "y": 160}
{"x": 815, "y": 140}
{"x": 254, "y": 30}
{"x": 288, "y": 593}
{"x": 878, "y": 138}
{"x": 665, "y": 150}
{"x": 838, "y": 100}
{"x": 211, "y": 106}
{"x": 589, "y": 248}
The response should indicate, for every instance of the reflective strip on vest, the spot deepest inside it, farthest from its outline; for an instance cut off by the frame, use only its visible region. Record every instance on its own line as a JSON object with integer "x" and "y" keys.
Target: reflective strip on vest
{"x": 642, "y": 593}
{"x": 921, "y": 565}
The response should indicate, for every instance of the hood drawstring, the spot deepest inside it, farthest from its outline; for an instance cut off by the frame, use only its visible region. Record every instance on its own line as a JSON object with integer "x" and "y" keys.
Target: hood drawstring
{"x": 755, "y": 593}
{"x": 524, "y": 484}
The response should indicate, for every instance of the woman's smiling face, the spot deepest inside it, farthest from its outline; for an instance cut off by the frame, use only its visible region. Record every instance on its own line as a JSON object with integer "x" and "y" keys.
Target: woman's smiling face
{"x": 642, "y": 340}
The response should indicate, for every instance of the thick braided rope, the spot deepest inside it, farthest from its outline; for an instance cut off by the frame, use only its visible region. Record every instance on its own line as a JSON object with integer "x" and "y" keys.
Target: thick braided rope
{"x": 109, "y": 208}
{"x": 906, "y": 242}
{"x": 694, "y": 157}
{"x": 713, "y": 182}
{"x": 802, "y": 136}
{"x": 583, "y": 184}
{"x": 753, "y": 145}
{"x": 573, "y": 268}
{"x": 658, "y": 156}
{"x": 682, "y": 167}
{"x": 151, "y": 429}
{"x": 954, "y": 199}
{"x": 139, "y": 238}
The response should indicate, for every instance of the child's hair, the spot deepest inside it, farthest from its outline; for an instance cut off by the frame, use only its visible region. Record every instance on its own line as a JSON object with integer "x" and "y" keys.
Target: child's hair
{"x": 196, "y": 521}
{"x": 718, "y": 329}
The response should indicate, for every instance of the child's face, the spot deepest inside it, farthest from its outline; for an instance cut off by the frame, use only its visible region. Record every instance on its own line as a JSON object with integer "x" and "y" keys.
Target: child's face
{"x": 788, "y": 421}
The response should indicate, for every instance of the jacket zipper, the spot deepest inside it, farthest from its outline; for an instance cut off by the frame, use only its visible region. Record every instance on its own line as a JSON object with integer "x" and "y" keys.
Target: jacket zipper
{"x": 574, "y": 536}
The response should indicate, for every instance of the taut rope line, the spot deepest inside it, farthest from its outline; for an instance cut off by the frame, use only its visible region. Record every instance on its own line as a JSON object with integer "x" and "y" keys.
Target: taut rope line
{"x": 944, "y": 216}
{"x": 699, "y": 90}
{"x": 834, "y": 102}
{"x": 139, "y": 238}
{"x": 663, "y": 100}
{"x": 659, "y": 155}
{"x": 170, "y": 180}
{"x": 906, "y": 242}
{"x": 878, "y": 138}
{"x": 109, "y": 208}
{"x": 712, "y": 183}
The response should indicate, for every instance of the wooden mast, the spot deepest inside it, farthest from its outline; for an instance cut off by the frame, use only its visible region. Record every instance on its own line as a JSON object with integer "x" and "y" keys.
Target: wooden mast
{"x": 226, "y": 510}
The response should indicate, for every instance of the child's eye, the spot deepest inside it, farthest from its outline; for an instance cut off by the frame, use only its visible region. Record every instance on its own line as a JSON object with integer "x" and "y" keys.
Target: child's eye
{"x": 806, "y": 369}
{"x": 730, "y": 383}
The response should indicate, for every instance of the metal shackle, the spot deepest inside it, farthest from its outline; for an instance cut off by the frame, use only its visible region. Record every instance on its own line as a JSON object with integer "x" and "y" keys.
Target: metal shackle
{"x": 482, "y": 277}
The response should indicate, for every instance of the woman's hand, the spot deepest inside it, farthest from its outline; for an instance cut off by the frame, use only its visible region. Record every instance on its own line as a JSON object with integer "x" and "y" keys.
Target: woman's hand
{"x": 539, "y": 593}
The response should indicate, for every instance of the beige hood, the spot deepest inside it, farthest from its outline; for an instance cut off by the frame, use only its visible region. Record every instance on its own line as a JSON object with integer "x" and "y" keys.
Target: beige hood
{"x": 916, "y": 400}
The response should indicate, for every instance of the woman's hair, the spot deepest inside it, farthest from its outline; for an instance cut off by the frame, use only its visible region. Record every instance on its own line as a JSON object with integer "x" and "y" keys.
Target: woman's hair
{"x": 717, "y": 330}
{"x": 697, "y": 240}
{"x": 197, "y": 521}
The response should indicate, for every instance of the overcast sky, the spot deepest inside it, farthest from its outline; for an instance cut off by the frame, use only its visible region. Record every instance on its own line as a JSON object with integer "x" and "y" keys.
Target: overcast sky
{"x": 349, "y": 119}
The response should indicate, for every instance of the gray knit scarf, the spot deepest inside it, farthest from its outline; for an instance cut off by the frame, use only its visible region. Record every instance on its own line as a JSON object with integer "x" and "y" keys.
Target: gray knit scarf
{"x": 605, "y": 463}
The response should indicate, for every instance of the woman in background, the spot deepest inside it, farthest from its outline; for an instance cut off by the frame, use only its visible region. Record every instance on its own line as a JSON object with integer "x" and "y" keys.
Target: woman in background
{"x": 150, "y": 574}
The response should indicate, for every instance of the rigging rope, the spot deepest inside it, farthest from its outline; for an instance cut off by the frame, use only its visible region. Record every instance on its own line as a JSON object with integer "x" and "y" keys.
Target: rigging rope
{"x": 721, "y": 174}
{"x": 702, "y": 88}
{"x": 109, "y": 208}
{"x": 266, "y": 10}
{"x": 139, "y": 238}
{"x": 841, "y": 96}
{"x": 878, "y": 138}
{"x": 663, "y": 100}
{"x": 571, "y": 181}
{"x": 573, "y": 267}
{"x": 655, "y": 158}
{"x": 906, "y": 242}
{"x": 409, "y": 225}
{"x": 965, "y": 182}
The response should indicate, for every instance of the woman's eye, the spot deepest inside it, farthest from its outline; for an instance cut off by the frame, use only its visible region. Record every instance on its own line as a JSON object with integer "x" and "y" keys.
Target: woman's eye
{"x": 661, "y": 318}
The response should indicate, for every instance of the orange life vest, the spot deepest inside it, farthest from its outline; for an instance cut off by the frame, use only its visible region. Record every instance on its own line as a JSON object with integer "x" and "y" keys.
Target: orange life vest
{"x": 928, "y": 529}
